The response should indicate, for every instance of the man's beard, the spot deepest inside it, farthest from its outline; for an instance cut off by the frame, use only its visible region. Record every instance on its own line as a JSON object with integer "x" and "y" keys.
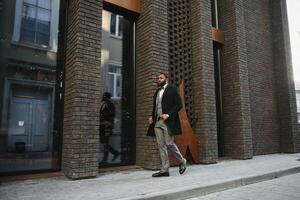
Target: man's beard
{"x": 161, "y": 84}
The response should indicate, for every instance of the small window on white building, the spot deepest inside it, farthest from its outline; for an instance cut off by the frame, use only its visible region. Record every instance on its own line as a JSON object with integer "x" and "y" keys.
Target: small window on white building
{"x": 36, "y": 23}
{"x": 116, "y": 25}
{"x": 114, "y": 82}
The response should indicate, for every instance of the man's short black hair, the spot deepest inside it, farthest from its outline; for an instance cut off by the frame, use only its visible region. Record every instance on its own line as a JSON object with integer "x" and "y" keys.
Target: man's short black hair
{"x": 163, "y": 74}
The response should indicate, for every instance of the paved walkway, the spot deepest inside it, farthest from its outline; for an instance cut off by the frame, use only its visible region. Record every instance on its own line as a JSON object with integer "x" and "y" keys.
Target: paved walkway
{"x": 198, "y": 180}
{"x": 287, "y": 188}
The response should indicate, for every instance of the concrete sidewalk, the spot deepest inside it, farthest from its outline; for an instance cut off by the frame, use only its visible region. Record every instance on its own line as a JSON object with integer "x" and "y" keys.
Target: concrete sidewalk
{"x": 196, "y": 181}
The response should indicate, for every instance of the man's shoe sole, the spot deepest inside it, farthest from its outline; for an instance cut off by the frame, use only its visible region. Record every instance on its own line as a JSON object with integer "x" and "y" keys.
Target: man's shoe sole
{"x": 160, "y": 175}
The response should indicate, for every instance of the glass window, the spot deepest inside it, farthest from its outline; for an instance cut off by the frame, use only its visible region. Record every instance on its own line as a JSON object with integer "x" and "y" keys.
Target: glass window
{"x": 35, "y": 24}
{"x": 215, "y": 13}
{"x": 116, "y": 25}
{"x": 120, "y": 28}
{"x": 298, "y": 101}
{"x": 114, "y": 83}
{"x": 113, "y": 24}
{"x": 298, "y": 105}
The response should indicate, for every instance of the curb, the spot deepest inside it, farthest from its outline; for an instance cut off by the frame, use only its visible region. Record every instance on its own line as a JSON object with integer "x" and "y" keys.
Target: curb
{"x": 198, "y": 191}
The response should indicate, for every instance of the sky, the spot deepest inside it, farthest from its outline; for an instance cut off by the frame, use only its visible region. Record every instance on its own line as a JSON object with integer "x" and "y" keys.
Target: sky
{"x": 293, "y": 8}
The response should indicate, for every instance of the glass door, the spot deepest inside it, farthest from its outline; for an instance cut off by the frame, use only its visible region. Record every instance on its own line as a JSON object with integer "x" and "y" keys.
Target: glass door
{"x": 117, "y": 127}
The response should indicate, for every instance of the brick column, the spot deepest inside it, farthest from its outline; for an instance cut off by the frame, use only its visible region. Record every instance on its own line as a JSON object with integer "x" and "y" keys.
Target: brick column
{"x": 289, "y": 137}
{"x": 236, "y": 98}
{"x": 151, "y": 58}
{"x": 82, "y": 89}
{"x": 204, "y": 80}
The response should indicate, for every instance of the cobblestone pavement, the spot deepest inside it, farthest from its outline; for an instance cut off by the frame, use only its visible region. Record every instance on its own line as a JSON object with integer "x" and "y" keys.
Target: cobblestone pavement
{"x": 284, "y": 188}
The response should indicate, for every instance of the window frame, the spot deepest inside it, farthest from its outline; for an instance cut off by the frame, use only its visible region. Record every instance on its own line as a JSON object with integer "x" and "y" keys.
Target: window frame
{"x": 117, "y": 25}
{"x": 36, "y": 32}
{"x": 53, "y": 34}
{"x": 115, "y": 75}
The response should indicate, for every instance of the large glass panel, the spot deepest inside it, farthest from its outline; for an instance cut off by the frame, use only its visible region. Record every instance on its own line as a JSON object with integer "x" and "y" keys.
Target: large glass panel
{"x": 29, "y": 133}
{"x": 219, "y": 97}
{"x": 298, "y": 100}
{"x": 117, "y": 136}
{"x": 215, "y": 13}
{"x": 298, "y": 106}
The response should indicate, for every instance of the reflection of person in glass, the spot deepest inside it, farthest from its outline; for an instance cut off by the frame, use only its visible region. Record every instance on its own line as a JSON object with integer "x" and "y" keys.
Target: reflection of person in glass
{"x": 107, "y": 114}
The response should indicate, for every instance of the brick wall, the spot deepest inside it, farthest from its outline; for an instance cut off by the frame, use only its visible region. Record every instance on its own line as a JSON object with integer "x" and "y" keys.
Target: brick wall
{"x": 203, "y": 81}
{"x": 286, "y": 104}
{"x": 151, "y": 58}
{"x": 251, "y": 112}
{"x": 264, "y": 115}
{"x": 82, "y": 89}
{"x": 236, "y": 97}
{"x": 256, "y": 51}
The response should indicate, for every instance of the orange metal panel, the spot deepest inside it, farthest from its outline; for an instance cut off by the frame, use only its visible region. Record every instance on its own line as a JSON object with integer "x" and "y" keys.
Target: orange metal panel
{"x": 133, "y": 5}
{"x": 187, "y": 142}
{"x": 217, "y": 35}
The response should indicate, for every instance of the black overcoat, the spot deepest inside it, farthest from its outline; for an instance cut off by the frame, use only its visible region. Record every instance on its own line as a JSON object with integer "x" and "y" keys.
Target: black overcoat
{"x": 171, "y": 104}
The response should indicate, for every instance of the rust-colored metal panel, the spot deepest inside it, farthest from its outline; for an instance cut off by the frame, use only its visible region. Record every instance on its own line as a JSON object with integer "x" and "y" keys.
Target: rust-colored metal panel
{"x": 217, "y": 35}
{"x": 133, "y": 5}
{"x": 188, "y": 139}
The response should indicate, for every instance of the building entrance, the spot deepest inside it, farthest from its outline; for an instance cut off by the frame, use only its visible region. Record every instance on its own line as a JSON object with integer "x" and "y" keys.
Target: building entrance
{"x": 117, "y": 120}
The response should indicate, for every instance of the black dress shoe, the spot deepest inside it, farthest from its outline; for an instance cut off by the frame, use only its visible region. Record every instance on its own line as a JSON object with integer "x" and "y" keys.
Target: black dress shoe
{"x": 182, "y": 167}
{"x": 160, "y": 174}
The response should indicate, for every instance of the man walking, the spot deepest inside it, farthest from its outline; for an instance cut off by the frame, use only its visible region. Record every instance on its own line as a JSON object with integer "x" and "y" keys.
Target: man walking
{"x": 164, "y": 124}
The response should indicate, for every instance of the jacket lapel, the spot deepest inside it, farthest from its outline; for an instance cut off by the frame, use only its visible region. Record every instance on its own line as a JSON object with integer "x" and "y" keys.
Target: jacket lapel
{"x": 166, "y": 90}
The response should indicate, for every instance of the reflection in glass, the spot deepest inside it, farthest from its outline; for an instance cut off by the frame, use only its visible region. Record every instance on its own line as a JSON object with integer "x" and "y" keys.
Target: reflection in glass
{"x": 113, "y": 19}
{"x": 116, "y": 25}
{"x": 107, "y": 116}
{"x": 35, "y": 25}
{"x": 27, "y": 86}
{"x": 116, "y": 66}
{"x": 111, "y": 67}
{"x": 120, "y": 28}
{"x": 114, "y": 84}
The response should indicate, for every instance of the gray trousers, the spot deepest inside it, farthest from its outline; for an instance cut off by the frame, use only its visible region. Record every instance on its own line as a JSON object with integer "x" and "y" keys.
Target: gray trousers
{"x": 165, "y": 142}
